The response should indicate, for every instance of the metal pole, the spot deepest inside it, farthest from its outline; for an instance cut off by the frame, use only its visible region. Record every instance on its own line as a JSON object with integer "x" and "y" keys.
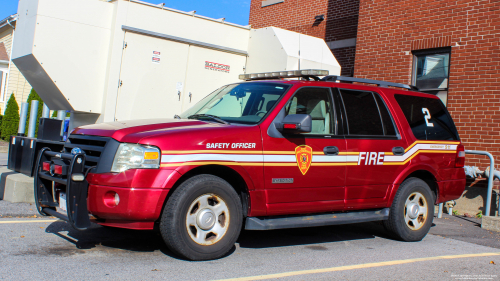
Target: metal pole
{"x": 46, "y": 111}
{"x": 440, "y": 210}
{"x": 33, "y": 117}
{"x": 61, "y": 115}
{"x": 490, "y": 178}
{"x": 22, "y": 120}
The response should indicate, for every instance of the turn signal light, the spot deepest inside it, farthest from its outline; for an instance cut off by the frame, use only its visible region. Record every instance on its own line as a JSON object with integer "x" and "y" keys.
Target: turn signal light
{"x": 58, "y": 169}
{"x": 460, "y": 160}
{"x": 290, "y": 126}
{"x": 46, "y": 166}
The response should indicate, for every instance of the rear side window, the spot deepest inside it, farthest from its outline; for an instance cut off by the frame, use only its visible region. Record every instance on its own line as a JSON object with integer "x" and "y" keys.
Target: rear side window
{"x": 428, "y": 118}
{"x": 366, "y": 114}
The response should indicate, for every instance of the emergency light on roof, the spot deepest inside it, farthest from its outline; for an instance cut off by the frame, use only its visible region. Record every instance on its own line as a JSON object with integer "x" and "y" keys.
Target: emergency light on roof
{"x": 284, "y": 74}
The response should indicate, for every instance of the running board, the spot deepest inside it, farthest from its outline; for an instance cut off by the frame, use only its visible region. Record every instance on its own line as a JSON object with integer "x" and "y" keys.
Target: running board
{"x": 266, "y": 223}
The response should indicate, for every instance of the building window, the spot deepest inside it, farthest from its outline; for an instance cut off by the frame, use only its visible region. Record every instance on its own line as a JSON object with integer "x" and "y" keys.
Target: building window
{"x": 431, "y": 70}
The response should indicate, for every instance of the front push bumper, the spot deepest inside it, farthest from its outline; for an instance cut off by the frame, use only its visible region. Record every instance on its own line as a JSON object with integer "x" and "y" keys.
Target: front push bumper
{"x": 141, "y": 193}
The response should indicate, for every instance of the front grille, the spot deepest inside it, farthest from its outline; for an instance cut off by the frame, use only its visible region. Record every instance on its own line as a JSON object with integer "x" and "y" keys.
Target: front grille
{"x": 98, "y": 150}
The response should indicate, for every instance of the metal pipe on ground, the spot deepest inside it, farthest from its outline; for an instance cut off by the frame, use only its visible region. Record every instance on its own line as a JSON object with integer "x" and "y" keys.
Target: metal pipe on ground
{"x": 490, "y": 176}
{"x": 22, "y": 119}
{"x": 33, "y": 117}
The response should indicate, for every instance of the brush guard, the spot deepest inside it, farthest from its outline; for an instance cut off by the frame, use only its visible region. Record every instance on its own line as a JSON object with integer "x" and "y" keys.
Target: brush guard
{"x": 72, "y": 179}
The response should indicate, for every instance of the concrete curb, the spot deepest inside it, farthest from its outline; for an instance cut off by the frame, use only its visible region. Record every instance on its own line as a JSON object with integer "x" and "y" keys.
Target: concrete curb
{"x": 491, "y": 223}
{"x": 15, "y": 187}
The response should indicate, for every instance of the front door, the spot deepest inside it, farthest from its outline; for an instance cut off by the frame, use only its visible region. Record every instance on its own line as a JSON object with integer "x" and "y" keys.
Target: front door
{"x": 306, "y": 172}
{"x": 371, "y": 135}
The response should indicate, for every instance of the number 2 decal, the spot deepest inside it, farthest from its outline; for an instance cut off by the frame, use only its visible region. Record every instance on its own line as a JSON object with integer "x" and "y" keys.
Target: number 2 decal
{"x": 427, "y": 115}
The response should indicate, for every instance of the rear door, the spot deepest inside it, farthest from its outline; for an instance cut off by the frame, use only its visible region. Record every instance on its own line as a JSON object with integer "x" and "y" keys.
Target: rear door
{"x": 371, "y": 135}
{"x": 300, "y": 176}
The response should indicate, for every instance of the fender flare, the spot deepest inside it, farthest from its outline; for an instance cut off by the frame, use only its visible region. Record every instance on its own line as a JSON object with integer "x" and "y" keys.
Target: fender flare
{"x": 406, "y": 173}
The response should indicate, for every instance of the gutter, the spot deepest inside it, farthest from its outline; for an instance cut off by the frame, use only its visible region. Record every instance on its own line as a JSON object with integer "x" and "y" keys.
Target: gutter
{"x": 8, "y": 21}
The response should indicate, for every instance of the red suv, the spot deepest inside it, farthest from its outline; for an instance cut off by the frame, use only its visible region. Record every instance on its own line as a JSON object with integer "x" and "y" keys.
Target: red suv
{"x": 259, "y": 155}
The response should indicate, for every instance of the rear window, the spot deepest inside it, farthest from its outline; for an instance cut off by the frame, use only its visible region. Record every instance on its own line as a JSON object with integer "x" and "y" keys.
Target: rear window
{"x": 366, "y": 114}
{"x": 428, "y": 118}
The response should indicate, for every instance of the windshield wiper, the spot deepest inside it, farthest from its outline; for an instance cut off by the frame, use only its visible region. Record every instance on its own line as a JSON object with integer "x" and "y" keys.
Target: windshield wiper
{"x": 213, "y": 117}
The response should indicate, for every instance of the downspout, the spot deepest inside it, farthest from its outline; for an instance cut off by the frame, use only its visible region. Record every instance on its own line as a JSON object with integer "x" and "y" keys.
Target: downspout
{"x": 13, "y": 27}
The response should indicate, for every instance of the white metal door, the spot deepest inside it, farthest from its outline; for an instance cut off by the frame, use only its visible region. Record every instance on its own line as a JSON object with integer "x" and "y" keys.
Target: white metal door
{"x": 208, "y": 70}
{"x": 152, "y": 72}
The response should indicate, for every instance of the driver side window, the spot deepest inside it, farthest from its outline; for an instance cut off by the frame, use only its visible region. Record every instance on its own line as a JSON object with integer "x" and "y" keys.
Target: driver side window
{"x": 317, "y": 103}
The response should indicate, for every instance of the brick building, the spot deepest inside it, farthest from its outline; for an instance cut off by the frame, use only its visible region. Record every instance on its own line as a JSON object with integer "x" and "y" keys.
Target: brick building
{"x": 450, "y": 48}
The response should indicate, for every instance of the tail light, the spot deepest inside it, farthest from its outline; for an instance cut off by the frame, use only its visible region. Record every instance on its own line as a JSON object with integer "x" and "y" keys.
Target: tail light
{"x": 460, "y": 160}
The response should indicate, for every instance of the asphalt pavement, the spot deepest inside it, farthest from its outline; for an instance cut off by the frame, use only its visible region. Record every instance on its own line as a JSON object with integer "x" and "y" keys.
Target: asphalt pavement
{"x": 44, "y": 248}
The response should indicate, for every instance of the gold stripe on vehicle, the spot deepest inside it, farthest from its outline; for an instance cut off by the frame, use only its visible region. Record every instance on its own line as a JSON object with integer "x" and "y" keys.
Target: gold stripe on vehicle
{"x": 416, "y": 153}
{"x": 200, "y": 163}
{"x": 430, "y": 142}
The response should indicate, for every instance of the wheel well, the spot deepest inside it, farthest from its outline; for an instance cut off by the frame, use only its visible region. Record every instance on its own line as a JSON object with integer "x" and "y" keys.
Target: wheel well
{"x": 227, "y": 174}
{"x": 429, "y": 178}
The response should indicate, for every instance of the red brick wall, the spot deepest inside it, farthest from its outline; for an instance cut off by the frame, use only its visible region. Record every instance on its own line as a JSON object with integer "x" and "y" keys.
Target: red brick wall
{"x": 293, "y": 15}
{"x": 345, "y": 57}
{"x": 341, "y": 18}
{"x": 388, "y": 30}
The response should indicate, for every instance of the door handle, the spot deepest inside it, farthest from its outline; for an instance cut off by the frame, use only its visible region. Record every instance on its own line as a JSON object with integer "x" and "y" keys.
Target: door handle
{"x": 179, "y": 94}
{"x": 331, "y": 150}
{"x": 190, "y": 96}
{"x": 398, "y": 150}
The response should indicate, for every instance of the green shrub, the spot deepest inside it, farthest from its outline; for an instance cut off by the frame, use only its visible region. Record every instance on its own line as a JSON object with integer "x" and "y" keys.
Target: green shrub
{"x": 54, "y": 114}
{"x": 1, "y": 117}
{"x": 10, "y": 121}
{"x": 34, "y": 96}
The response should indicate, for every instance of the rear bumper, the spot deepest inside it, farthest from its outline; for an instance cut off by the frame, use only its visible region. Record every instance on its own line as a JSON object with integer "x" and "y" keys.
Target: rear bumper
{"x": 450, "y": 190}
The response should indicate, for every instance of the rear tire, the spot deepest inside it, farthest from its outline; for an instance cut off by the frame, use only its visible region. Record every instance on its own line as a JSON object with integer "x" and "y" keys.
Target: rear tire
{"x": 412, "y": 211}
{"x": 202, "y": 219}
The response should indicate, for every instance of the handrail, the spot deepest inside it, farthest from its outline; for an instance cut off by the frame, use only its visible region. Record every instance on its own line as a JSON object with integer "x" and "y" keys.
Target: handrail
{"x": 490, "y": 178}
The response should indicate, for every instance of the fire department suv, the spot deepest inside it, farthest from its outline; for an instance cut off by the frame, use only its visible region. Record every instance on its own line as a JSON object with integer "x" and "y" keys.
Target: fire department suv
{"x": 264, "y": 154}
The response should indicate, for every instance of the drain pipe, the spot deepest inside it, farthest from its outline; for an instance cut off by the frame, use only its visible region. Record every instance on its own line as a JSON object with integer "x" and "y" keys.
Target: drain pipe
{"x": 490, "y": 176}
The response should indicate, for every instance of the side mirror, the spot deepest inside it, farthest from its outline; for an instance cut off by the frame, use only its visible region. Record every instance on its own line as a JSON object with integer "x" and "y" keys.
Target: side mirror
{"x": 296, "y": 124}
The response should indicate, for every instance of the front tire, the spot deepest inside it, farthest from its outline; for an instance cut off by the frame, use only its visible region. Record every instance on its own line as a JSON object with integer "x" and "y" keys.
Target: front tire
{"x": 412, "y": 211}
{"x": 202, "y": 219}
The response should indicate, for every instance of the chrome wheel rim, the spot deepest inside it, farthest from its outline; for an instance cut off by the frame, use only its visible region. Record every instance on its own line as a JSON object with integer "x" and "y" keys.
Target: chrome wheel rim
{"x": 207, "y": 219}
{"x": 415, "y": 211}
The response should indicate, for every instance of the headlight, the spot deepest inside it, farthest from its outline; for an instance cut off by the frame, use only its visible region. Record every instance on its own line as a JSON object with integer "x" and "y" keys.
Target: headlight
{"x": 135, "y": 156}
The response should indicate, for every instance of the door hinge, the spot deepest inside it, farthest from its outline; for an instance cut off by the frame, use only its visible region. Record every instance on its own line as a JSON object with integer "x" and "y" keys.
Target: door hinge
{"x": 120, "y": 82}
{"x": 124, "y": 45}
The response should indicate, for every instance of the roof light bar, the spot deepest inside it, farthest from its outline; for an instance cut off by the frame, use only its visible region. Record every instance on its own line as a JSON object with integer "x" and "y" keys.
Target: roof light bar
{"x": 284, "y": 74}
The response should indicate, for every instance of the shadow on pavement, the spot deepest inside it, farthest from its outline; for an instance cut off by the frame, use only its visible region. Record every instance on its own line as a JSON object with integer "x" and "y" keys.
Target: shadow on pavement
{"x": 149, "y": 241}
{"x": 312, "y": 235}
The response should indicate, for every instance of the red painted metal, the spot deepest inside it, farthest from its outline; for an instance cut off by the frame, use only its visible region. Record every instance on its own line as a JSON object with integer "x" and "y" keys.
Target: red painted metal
{"x": 321, "y": 188}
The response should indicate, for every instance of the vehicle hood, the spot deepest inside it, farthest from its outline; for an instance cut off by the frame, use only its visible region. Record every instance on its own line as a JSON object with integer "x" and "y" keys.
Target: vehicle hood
{"x": 133, "y": 131}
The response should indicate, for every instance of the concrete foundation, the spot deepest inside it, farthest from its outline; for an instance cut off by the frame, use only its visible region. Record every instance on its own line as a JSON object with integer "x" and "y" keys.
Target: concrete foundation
{"x": 491, "y": 223}
{"x": 15, "y": 187}
{"x": 473, "y": 201}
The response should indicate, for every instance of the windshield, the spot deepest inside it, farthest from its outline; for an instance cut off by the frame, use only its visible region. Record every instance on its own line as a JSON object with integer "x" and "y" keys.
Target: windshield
{"x": 245, "y": 103}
